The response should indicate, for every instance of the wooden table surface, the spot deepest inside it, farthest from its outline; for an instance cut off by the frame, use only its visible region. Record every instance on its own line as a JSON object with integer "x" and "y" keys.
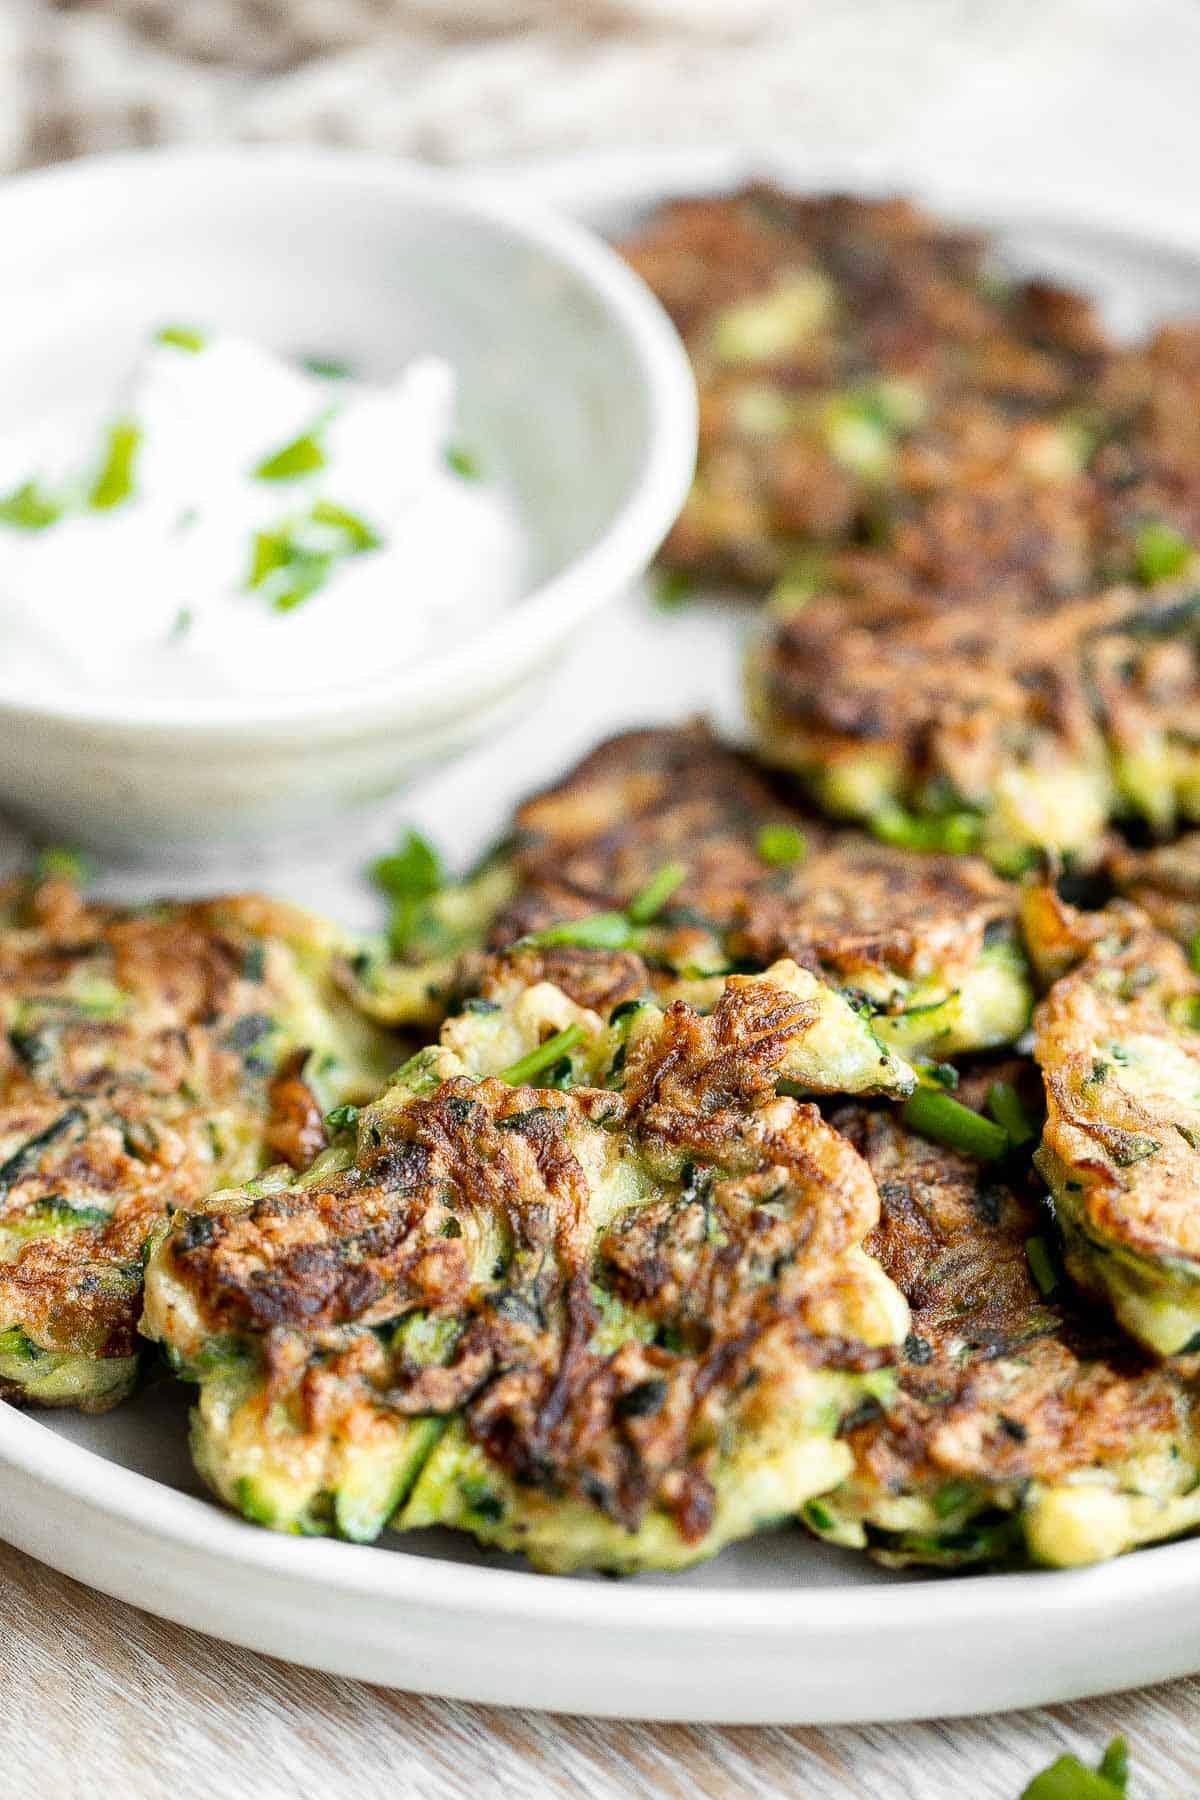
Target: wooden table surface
{"x": 101, "y": 1702}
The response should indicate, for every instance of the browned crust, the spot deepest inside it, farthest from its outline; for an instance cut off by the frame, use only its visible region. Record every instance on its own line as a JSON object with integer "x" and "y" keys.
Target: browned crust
{"x": 967, "y": 502}
{"x": 849, "y": 909}
{"x": 1132, "y": 1151}
{"x": 731, "y": 1269}
{"x": 124, "y": 1111}
{"x": 998, "y": 1384}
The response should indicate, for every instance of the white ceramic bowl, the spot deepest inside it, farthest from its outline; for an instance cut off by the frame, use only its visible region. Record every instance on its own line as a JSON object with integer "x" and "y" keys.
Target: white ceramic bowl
{"x": 573, "y": 384}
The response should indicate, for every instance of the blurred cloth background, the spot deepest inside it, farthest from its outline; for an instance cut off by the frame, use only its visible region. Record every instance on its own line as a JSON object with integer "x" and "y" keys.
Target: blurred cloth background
{"x": 1105, "y": 89}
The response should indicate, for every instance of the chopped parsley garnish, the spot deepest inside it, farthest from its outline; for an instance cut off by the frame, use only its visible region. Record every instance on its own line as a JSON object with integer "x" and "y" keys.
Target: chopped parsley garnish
{"x": 1069, "y": 1779}
{"x": 356, "y": 530}
{"x": 303, "y": 456}
{"x": 616, "y": 930}
{"x": 182, "y": 623}
{"x": 30, "y": 508}
{"x": 543, "y": 1058}
{"x": 342, "y": 1118}
{"x": 181, "y": 337}
{"x": 329, "y": 368}
{"x": 1042, "y": 1258}
{"x": 1006, "y": 1107}
{"x": 307, "y": 570}
{"x": 56, "y": 863}
{"x": 409, "y": 875}
{"x": 671, "y": 589}
{"x": 293, "y": 560}
{"x": 956, "y": 832}
{"x": 936, "y": 1115}
{"x": 463, "y": 462}
{"x": 653, "y": 895}
{"x": 952, "y": 1497}
{"x": 597, "y": 931}
{"x": 114, "y": 483}
{"x": 1159, "y": 551}
{"x": 935, "y": 1074}
{"x": 780, "y": 845}
{"x": 1194, "y": 951}
{"x": 412, "y": 871}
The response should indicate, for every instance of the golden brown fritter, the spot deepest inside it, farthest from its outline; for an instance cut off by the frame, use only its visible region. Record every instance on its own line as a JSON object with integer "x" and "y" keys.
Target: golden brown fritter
{"x": 600, "y": 1326}
{"x": 865, "y": 374}
{"x": 980, "y": 513}
{"x": 1017, "y": 729}
{"x": 1023, "y": 1425}
{"x": 1116, "y": 1041}
{"x": 924, "y": 941}
{"x": 148, "y": 1056}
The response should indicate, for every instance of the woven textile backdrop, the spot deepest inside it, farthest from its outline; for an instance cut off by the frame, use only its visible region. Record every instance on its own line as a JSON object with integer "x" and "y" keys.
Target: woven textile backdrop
{"x": 1103, "y": 88}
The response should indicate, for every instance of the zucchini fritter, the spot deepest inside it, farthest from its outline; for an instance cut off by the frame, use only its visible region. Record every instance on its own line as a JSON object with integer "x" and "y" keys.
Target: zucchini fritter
{"x": 1120, "y": 1056}
{"x": 867, "y": 375}
{"x": 978, "y": 513}
{"x": 924, "y": 943}
{"x": 1015, "y": 729}
{"x": 148, "y": 1056}
{"x": 1022, "y": 1427}
{"x": 613, "y": 1327}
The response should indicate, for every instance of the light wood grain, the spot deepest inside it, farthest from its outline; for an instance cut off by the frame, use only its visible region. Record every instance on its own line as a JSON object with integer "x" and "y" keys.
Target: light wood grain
{"x": 100, "y": 1700}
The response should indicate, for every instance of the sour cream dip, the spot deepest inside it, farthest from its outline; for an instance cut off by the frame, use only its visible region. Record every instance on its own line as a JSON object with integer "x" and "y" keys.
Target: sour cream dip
{"x": 243, "y": 524}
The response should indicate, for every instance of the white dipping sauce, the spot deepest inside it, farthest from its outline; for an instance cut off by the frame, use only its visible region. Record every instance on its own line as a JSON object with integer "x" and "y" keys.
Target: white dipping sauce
{"x": 207, "y": 578}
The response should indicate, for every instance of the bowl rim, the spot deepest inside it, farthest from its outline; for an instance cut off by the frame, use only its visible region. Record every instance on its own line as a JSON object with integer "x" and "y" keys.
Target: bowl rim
{"x": 503, "y": 651}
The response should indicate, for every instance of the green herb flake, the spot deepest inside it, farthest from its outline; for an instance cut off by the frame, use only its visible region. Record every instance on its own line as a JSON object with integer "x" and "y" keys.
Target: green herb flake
{"x": 936, "y": 1074}
{"x": 413, "y": 870}
{"x": 181, "y": 337}
{"x": 546, "y": 1055}
{"x": 16, "y": 1345}
{"x": 955, "y": 832}
{"x": 654, "y": 894}
{"x": 1068, "y": 1778}
{"x": 271, "y": 550}
{"x": 307, "y": 573}
{"x": 329, "y": 368}
{"x": 1159, "y": 551}
{"x": 479, "y": 1498}
{"x": 936, "y": 1115}
{"x": 358, "y": 533}
{"x": 30, "y": 508}
{"x": 114, "y": 483}
{"x": 409, "y": 875}
{"x": 1134, "y": 1147}
{"x": 341, "y": 1119}
{"x": 781, "y": 845}
{"x": 1043, "y": 1266}
{"x": 816, "y": 1515}
{"x": 596, "y": 931}
{"x": 55, "y": 862}
{"x": 463, "y": 462}
{"x": 952, "y": 1497}
{"x": 1194, "y": 951}
{"x": 303, "y": 456}
{"x": 671, "y": 589}
{"x": 1006, "y": 1107}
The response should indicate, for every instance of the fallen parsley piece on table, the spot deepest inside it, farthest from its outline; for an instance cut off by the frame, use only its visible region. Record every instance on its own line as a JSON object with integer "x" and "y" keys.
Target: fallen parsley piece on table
{"x": 1069, "y": 1779}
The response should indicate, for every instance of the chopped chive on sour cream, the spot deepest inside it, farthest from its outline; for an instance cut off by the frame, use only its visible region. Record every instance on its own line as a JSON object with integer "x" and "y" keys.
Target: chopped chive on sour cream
{"x": 239, "y": 523}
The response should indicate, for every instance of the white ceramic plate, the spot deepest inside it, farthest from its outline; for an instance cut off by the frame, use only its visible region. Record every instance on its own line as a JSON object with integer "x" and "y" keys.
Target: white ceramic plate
{"x": 777, "y": 1630}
